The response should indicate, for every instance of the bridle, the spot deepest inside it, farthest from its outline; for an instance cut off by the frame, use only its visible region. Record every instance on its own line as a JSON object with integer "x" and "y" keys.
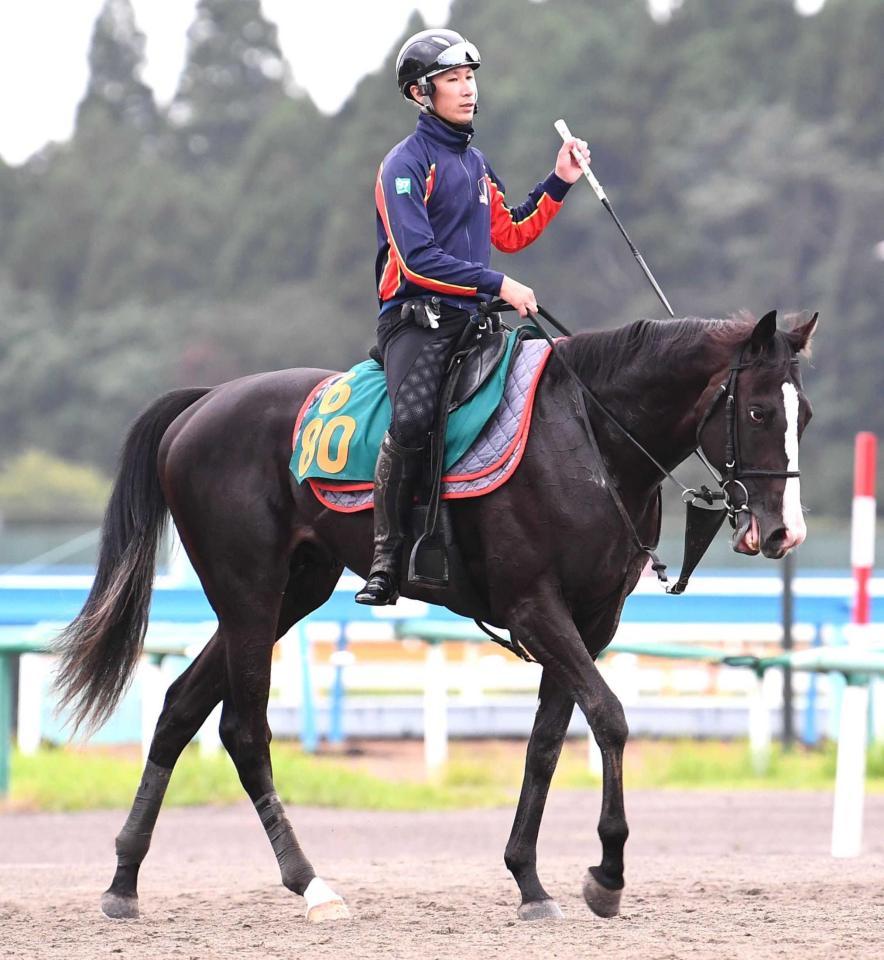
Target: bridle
{"x": 730, "y": 480}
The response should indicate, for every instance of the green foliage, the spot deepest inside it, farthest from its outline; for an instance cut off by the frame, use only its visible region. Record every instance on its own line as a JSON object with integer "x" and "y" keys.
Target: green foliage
{"x": 116, "y": 95}
{"x": 739, "y": 142}
{"x": 86, "y": 780}
{"x": 38, "y": 486}
{"x": 234, "y": 72}
{"x": 479, "y": 774}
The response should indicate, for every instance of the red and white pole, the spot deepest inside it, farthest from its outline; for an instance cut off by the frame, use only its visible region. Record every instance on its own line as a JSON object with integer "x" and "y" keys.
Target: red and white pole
{"x": 862, "y": 532}
{"x": 850, "y": 773}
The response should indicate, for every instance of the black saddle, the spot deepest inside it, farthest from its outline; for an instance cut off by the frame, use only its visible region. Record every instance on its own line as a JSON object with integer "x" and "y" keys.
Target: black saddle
{"x": 480, "y": 362}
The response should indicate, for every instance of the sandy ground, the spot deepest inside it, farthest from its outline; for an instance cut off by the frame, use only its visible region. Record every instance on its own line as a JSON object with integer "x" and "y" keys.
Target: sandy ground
{"x": 708, "y": 875}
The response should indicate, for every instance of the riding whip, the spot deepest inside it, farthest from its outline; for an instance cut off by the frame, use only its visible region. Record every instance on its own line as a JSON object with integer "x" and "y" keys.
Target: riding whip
{"x": 599, "y": 190}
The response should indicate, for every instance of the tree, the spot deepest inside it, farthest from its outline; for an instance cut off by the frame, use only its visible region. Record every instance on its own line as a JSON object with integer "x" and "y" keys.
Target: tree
{"x": 235, "y": 73}
{"x": 739, "y": 142}
{"x": 11, "y": 200}
{"x": 277, "y": 210}
{"x": 154, "y": 245}
{"x": 50, "y": 245}
{"x": 116, "y": 97}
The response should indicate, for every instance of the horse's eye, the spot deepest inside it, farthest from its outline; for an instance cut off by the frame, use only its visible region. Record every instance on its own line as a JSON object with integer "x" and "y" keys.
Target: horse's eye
{"x": 755, "y": 415}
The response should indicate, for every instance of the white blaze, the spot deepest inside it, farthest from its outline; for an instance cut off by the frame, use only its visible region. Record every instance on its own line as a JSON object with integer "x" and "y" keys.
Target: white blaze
{"x": 793, "y": 517}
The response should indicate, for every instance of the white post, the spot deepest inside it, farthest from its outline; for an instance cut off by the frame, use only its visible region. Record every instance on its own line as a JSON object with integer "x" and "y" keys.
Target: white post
{"x": 287, "y": 669}
{"x": 471, "y": 675}
{"x": 847, "y": 818}
{"x": 153, "y": 690}
{"x": 622, "y": 676}
{"x": 759, "y": 727}
{"x": 877, "y": 702}
{"x": 435, "y": 710}
{"x": 32, "y": 671}
{"x": 208, "y": 737}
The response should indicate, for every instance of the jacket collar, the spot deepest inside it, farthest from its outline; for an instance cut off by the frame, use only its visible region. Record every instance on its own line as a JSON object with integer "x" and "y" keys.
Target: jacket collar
{"x": 443, "y": 133}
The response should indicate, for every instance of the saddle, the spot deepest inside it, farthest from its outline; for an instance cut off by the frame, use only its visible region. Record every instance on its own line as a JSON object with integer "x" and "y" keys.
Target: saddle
{"x": 479, "y": 362}
{"x": 434, "y": 558}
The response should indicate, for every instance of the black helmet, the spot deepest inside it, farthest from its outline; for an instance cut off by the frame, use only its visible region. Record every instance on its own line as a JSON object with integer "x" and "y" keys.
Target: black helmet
{"x": 431, "y": 52}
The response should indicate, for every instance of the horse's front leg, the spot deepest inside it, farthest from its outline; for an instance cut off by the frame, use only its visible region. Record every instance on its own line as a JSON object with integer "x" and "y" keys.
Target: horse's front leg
{"x": 554, "y": 709}
{"x": 547, "y": 629}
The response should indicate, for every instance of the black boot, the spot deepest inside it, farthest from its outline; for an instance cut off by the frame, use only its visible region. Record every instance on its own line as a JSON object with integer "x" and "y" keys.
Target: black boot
{"x": 395, "y": 475}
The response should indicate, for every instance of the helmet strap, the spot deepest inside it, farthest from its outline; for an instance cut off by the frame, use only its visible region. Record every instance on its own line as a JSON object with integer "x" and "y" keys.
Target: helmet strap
{"x": 425, "y": 90}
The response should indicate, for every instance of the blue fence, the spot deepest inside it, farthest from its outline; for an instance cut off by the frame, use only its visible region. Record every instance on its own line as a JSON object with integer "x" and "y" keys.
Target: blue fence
{"x": 710, "y": 599}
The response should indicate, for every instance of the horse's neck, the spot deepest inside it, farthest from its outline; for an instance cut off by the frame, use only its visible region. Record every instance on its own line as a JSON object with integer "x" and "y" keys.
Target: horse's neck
{"x": 657, "y": 380}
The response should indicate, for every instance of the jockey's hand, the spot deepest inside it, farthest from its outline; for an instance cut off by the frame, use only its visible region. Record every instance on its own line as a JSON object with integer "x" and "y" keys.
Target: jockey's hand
{"x": 566, "y": 166}
{"x": 518, "y": 295}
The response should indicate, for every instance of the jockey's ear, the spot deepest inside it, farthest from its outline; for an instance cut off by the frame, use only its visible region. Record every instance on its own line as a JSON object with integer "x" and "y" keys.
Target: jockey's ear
{"x": 801, "y": 336}
{"x": 764, "y": 330}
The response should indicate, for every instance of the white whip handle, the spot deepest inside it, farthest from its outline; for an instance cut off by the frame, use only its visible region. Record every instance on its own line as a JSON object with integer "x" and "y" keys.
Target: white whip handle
{"x": 565, "y": 134}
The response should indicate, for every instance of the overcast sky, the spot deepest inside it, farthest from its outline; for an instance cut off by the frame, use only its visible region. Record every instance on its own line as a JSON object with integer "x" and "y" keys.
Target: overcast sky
{"x": 38, "y": 97}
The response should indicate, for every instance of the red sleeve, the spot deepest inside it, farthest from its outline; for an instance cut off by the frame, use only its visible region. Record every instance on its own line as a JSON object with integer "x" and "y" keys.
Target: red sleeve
{"x": 515, "y": 228}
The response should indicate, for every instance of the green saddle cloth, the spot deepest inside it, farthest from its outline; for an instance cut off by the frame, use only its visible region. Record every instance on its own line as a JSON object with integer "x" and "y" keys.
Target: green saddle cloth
{"x": 340, "y": 432}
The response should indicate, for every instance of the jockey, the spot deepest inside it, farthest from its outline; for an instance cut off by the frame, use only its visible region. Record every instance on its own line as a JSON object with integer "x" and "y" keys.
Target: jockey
{"x": 440, "y": 206}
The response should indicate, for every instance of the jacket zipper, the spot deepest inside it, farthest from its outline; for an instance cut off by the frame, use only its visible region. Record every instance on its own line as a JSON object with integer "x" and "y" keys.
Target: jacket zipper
{"x": 466, "y": 228}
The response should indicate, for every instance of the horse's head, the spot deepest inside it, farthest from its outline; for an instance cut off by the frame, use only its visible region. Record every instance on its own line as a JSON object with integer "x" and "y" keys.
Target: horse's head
{"x": 752, "y": 433}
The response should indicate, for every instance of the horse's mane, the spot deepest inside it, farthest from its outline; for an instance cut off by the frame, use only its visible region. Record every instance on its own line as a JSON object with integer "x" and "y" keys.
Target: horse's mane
{"x": 607, "y": 353}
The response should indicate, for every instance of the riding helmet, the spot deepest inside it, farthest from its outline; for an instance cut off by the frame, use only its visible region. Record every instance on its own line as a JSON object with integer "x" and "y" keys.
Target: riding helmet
{"x": 431, "y": 52}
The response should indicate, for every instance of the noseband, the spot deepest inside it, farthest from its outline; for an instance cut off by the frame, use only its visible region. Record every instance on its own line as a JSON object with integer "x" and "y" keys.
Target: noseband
{"x": 731, "y": 478}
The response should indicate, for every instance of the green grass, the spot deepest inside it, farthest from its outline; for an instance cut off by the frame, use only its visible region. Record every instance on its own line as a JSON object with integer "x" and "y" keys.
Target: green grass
{"x": 479, "y": 774}
{"x": 687, "y": 764}
{"x": 91, "y": 779}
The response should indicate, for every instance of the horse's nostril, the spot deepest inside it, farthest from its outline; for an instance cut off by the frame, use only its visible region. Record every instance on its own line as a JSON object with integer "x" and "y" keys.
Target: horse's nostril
{"x": 778, "y": 536}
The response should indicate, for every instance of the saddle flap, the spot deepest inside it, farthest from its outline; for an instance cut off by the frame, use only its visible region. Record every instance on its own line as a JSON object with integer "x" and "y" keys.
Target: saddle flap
{"x": 478, "y": 366}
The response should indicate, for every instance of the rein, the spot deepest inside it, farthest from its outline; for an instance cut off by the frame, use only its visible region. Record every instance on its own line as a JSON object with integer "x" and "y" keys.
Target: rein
{"x": 702, "y": 523}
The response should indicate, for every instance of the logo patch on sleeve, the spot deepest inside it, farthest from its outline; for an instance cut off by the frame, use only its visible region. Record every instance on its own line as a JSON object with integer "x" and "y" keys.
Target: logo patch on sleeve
{"x": 403, "y": 184}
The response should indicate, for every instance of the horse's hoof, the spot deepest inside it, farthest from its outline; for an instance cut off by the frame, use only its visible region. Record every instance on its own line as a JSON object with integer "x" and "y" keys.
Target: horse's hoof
{"x": 541, "y": 910}
{"x": 119, "y": 908}
{"x": 332, "y": 910}
{"x": 602, "y": 901}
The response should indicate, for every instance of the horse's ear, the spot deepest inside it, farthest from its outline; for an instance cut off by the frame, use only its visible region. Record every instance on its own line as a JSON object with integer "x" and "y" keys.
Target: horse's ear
{"x": 801, "y": 337}
{"x": 764, "y": 330}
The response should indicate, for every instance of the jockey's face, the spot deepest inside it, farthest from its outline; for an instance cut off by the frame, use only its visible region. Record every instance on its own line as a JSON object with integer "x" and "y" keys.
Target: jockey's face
{"x": 454, "y": 98}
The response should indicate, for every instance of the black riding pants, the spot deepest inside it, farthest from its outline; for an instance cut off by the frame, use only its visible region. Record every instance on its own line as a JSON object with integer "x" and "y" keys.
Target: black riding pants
{"x": 415, "y": 361}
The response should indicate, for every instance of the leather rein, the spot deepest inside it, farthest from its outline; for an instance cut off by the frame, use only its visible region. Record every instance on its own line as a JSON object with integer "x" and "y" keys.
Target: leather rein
{"x": 702, "y": 522}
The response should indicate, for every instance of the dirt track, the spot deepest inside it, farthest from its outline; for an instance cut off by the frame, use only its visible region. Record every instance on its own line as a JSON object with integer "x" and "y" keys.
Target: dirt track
{"x": 709, "y": 875}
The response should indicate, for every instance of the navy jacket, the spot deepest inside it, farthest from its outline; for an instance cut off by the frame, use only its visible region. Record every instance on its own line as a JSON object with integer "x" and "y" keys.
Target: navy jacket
{"x": 440, "y": 206}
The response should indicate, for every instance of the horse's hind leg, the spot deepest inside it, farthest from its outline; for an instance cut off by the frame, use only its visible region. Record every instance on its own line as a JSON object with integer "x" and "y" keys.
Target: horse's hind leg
{"x": 554, "y": 709}
{"x": 188, "y": 702}
{"x": 246, "y": 736}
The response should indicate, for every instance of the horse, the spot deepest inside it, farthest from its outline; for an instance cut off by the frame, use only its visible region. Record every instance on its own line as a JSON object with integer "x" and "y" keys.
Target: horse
{"x": 546, "y": 554}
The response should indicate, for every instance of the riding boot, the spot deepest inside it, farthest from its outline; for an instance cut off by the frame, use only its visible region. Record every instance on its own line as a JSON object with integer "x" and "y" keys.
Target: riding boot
{"x": 395, "y": 476}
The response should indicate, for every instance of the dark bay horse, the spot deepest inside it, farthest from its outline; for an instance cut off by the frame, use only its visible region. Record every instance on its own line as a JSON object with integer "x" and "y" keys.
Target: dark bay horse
{"x": 547, "y": 553}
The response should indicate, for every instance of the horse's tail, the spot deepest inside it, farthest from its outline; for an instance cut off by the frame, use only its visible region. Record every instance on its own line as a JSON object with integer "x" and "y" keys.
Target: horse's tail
{"x": 100, "y": 648}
